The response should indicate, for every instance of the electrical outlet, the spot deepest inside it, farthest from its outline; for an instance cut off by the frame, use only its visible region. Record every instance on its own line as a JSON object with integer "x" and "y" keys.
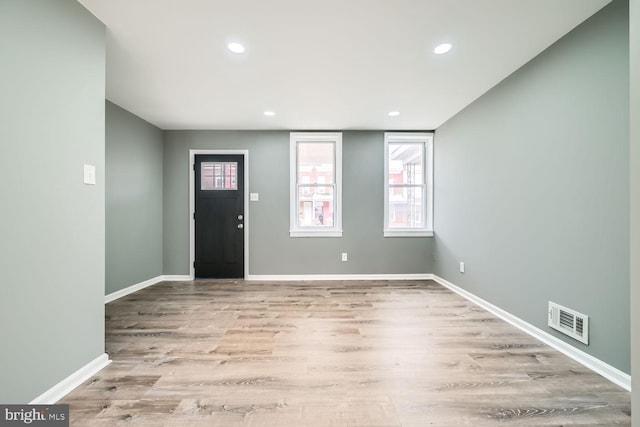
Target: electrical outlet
{"x": 344, "y": 256}
{"x": 461, "y": 267}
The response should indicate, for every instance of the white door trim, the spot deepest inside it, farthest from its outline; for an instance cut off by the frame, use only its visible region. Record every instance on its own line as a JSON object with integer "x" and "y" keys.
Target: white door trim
{"x": 192, "y": 205}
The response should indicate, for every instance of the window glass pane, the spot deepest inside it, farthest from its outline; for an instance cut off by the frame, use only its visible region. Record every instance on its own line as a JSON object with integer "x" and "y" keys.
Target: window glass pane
{"x": 315, "y": 207}
{"x": 405, "y": 207}
{"x": 316, "y": 162}
{"x": 219, "y": 176}
{"x": 405, "y": 163}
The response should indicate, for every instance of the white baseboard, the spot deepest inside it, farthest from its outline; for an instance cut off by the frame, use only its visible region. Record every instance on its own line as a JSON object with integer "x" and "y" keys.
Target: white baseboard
{"x": 133, "y": 288}
{"x": 611, "y": 373}
{"x": 302, "y": 277}
{"x": 67, "y": 385}
{"x": 176, "y": 278}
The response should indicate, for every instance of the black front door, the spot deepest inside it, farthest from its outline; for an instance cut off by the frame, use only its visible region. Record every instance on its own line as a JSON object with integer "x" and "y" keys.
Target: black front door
{"x": 219, "y": 216}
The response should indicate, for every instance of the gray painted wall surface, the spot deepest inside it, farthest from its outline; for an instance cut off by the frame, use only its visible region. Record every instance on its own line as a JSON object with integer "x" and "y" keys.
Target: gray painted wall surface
{"x": 532, "y": 187}
{"x": 133, "y": 199}
{"x": 272, "y": 251}
{"x": 52, "y": 227}
{"x": 634, "y": 29}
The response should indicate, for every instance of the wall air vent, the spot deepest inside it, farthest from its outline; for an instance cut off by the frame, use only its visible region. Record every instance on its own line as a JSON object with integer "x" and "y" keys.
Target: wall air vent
{"x": 569, "y": 322}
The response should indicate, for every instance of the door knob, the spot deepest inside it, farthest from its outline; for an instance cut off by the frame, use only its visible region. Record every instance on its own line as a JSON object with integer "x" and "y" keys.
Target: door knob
{"x": 240, "y": 225}
{"x": 240, "y": 217}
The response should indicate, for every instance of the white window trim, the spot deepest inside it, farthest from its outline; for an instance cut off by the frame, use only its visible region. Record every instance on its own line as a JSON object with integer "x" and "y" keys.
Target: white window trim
{"x": 427, "y": 139}
{"x": 294, "y": 229}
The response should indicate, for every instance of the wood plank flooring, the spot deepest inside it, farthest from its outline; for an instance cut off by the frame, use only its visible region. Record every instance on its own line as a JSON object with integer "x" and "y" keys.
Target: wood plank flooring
{"x": 362, "y": 353}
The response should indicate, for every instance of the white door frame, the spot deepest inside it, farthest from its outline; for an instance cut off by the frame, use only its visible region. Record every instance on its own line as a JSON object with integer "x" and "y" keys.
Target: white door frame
{"x": 192, "y": 205}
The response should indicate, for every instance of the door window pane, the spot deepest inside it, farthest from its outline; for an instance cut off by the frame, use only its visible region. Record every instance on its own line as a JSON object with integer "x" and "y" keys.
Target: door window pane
{"x": 219, "y": 176}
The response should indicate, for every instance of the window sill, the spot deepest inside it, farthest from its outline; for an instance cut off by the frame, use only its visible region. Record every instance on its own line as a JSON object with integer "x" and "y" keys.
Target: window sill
{"x": 319, "y": 233}
{"x": 408, "y": 233}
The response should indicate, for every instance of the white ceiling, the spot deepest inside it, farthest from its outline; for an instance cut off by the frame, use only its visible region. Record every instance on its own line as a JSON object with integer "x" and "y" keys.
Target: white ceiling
{"x": 330, "y": 64}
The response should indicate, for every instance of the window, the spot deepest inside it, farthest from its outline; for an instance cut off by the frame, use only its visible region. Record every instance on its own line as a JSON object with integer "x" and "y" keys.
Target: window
{"x": 408, "y": 188}
{"x": 219, "y": 176}
{"x": 316, "y": 192}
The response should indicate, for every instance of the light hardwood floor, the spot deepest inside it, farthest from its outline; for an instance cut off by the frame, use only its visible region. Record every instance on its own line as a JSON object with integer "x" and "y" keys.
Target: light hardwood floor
{"x": 362, "y": 353}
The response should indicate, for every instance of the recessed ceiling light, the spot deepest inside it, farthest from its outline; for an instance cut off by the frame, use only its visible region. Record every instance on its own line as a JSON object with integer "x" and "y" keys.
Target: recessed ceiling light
{"x": 235, "y": 47}
{"x": 442, "y": 48}
{"x": 269, "y": 113}
{"x": 393, "y": 113}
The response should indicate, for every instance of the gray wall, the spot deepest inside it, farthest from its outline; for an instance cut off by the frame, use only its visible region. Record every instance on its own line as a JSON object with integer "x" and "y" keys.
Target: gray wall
{"x": 52, "y": 227}
{"x": 634, "y": 13}
{"x": 532, "y": 187}
{"x": 272, "y": 250}
{"x": 133, "y": 199}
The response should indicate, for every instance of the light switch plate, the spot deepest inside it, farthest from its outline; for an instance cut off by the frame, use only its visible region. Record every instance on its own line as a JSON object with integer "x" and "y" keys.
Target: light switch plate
{"x": 90, "y": 174}
{"x": 254, "y": 197}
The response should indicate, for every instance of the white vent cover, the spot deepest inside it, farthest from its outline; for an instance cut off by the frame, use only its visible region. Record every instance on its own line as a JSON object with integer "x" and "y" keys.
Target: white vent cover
{"x": 569, "y": 322}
